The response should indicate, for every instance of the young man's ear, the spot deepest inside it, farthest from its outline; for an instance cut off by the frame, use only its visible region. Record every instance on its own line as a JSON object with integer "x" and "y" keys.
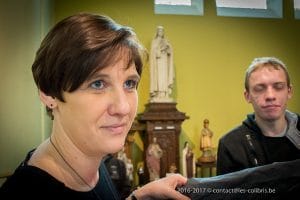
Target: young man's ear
{"x": 290, "y": 92}
{"x": 247, "y": 96}
{"x": 47, "y": 100}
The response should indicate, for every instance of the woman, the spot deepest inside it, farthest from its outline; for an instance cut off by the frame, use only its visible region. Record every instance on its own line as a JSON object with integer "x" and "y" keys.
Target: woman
{"x": 87, "y": 71}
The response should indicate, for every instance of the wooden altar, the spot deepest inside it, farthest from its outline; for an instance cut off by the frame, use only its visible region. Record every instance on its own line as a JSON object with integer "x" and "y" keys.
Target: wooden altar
{"x": 163, "y": 121}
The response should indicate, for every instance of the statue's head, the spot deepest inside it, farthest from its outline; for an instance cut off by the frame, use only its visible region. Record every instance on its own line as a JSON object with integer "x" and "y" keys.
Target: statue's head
{"x": 160, "y": 31}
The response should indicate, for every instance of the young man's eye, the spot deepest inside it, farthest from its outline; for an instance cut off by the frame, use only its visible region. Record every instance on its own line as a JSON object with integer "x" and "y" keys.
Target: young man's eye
{"x": 99, "y": 84}
{"x": 131, "y": 84}
{"x": 258, "y": 88}
{"x": 279, "y": 86}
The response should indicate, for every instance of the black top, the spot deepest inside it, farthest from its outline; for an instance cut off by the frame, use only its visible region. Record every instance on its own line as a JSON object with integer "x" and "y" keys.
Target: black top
{"x": 246, "y": 146}
{"x": 30, "y": 182}
{"x": 279, "y": 180}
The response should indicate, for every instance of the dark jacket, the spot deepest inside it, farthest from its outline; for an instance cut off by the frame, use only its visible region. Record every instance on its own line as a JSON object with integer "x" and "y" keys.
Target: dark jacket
{"x": 279, "y": 180}
{"x": 246, "y": 146}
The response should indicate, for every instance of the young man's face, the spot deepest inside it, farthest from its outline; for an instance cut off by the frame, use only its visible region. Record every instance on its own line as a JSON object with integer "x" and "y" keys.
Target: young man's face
{"x": 268, "y": 93}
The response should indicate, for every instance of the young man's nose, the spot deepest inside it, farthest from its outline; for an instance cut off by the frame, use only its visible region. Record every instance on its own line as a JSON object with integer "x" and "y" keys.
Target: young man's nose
{"x": 270, "y": 94}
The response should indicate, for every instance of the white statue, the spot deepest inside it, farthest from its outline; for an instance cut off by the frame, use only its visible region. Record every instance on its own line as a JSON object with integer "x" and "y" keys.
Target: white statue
{"x": 122, "y": 156}
{"x": 188, "y": 161}
{"x": 127, "y": 162}
{"x": 129, "y": 169}
{"x": 161, "y": 68}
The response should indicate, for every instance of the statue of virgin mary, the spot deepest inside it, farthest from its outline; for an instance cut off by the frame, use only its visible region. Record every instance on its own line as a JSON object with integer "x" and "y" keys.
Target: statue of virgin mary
{"x": 161, "y": 68}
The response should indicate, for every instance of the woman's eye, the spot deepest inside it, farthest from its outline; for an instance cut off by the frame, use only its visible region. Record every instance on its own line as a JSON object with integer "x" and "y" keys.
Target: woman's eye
{"x": 130, "y": 84}
{"x": 97, "y": 84}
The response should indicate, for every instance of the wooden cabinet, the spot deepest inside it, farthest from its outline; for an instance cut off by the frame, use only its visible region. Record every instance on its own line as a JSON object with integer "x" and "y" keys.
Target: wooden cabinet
{"x": 163, "y": 121}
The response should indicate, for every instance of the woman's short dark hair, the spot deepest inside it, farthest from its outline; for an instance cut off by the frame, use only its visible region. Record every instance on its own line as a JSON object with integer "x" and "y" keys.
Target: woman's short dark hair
{"x": 79, "y": 46}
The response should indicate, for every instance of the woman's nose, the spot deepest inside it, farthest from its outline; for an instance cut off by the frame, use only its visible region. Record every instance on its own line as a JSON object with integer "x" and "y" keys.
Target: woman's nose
{"x": 119, "y": 104}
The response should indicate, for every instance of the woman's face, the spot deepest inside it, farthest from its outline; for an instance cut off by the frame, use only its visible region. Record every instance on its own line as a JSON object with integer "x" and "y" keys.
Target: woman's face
{"x": 98, "y": 115}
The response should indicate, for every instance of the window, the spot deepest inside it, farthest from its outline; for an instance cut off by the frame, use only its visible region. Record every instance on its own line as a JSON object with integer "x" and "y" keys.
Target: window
{"x": 179, "y": 7}
{"x": 250, "y": 8}
{"x": 297, "y": 9}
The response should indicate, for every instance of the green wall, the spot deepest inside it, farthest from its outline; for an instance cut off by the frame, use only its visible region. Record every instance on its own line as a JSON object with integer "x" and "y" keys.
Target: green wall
{"x": 210, "y": 54}
{"x": 23, "y": 124}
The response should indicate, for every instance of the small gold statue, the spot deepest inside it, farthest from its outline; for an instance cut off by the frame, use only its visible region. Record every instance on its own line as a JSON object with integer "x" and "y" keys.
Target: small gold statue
{"x": 206, "y": 143}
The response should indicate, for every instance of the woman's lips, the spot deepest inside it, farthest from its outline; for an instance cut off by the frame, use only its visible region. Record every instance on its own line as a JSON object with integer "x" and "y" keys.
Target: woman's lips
{"x": 115, "y": 128}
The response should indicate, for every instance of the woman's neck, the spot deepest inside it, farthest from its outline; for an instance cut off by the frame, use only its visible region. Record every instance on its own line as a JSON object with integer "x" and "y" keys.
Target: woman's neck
{"x": 67, "y": 164}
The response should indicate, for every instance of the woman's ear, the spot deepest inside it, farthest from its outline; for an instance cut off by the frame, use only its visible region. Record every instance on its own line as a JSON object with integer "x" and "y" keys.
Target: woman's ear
{"x": 47, "y": 100}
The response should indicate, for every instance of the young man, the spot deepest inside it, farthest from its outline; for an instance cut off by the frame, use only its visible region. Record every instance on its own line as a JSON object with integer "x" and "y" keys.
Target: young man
{"x": 271, "y": 133}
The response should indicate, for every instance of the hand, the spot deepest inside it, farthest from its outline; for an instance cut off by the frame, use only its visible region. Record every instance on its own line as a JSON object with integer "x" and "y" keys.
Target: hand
{"x": 163, "y": 188}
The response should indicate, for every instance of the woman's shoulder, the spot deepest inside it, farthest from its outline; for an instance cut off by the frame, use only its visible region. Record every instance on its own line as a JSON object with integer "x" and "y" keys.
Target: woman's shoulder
{"x": 27, "y": 179}
{"x": 31, "y": 182}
